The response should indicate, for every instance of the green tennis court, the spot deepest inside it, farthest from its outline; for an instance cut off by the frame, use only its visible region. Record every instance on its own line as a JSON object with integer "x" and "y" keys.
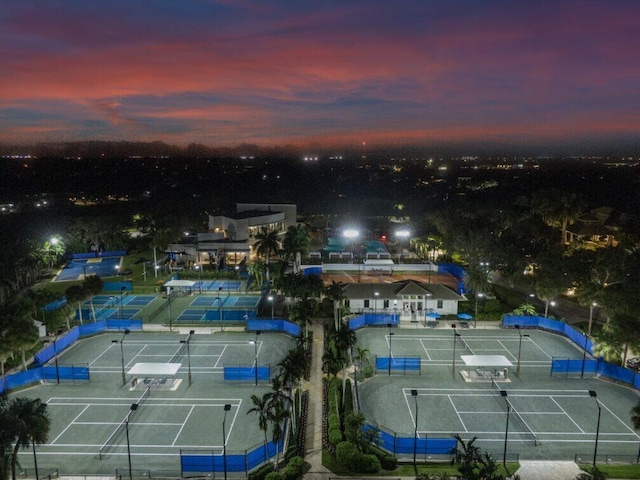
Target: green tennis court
{"x": 549, "y": 417}
{"x": 89, "y": 420}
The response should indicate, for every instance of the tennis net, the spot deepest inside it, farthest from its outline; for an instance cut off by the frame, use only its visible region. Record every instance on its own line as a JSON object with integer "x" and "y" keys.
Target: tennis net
{"x": 464, "y": 343}
{"x": 524, "y": 424}
{"x": 112, "y": 441}
{"x": 516, "y": 414}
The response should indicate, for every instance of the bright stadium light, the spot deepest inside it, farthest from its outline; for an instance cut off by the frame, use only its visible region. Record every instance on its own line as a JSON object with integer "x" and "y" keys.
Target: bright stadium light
{"x": 351, "y": 233}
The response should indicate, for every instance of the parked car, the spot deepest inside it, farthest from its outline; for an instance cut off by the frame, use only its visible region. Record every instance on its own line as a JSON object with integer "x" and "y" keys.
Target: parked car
{"x": 633, "y": 363}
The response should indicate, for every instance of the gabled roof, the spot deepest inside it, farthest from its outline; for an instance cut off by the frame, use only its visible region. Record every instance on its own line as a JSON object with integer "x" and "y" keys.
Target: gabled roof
{"x": 436, "y": 291}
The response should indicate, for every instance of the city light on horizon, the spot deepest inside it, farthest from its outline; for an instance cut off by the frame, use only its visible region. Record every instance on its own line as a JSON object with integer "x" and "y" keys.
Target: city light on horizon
{"x": 418, "y": 73}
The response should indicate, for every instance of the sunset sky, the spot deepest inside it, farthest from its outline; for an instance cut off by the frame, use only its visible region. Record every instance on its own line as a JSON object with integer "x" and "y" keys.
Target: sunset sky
{"x": 400, "y": 72}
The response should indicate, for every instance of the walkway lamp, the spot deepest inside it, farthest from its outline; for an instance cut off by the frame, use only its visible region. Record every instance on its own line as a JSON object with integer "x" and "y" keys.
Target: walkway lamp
{"x": 402, "y": 234}
{"x": 475, "y": 315}
{"x": 271, "y": 299}
{"x": 547, "y": 302}
{"x": 455, "y": 338}
{"x": 591, "y": 307}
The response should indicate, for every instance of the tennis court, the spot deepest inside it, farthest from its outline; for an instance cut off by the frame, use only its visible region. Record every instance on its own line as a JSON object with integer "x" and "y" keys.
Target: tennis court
{"x": 78, "y": 268}
{"x": 121, "y": 306}
{"x": 225, "y": 308}
{"x": 215, "y": 286}
{"x": 549, "y": 417}
{"x": 90, "y": 420}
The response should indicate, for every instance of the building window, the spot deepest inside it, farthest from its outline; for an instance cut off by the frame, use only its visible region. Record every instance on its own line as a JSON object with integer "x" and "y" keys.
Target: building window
{"x": 366, "y": 304}
{"x": 385, "y": 304}
{"x": 440, "y": 304}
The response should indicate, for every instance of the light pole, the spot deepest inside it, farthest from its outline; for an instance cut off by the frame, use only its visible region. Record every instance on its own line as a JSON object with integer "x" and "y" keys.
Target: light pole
{"x": 402, "y": 234}
{"x": 591, "y": 307}
{"x": 255, "y": 348}
{"x": 503, "y": 394}
{"x": 121, "y": 341}
{"x": 122, "y": 290}
{"x": 219, "y": 298}
{"x": 593, "y": 395}
{"x": 188, "y": 342}
{"x": 519, "y": 349}
{"x": 227, "y": 407}
{"x": 414, "y": 394}
{"x": 395, "y": 311}
{"x": 546, "y": 306}
{"x": 134, "y": 407}
{"x": 475, "y": 315}
{"x": 389, "y": 325}
{"x": 55, "y": 359}
{"x": 375, "y": 303}
{"x": 270, "y": 298}
{"x": 455, "y": 338}
{"x": 199, "y": 270}
{"x": 584, "y": 353}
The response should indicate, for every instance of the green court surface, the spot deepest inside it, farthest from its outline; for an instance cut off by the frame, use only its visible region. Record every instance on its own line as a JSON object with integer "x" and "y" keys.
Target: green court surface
{"x": 552, "y": 417}
{"x": 88, "y": 430}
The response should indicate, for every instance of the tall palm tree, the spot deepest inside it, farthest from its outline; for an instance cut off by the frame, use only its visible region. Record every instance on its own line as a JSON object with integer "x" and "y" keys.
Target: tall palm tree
{"x": 296, "y": 244}
{"x": 335, "y": 292}
{"x": 267, "y": 245}
{"x": 262, "y": 408}
{"x": 21, "y": 333}
{"x": 30, "y": 424}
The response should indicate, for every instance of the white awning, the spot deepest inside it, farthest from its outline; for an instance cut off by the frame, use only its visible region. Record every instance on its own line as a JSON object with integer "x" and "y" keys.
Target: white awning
{"x": 160, "y": 369}
{"x": 486, "y": 361}
{"x": 180, "y": 283}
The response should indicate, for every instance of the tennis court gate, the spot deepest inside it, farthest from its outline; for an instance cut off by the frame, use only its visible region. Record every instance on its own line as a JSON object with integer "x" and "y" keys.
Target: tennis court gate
{"x": 573, "y": 367}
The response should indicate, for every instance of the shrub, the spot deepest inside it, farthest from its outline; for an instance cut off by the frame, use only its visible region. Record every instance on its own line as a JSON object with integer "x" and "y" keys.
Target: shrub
{"x": 294, "y": 469}
{"x": 348, "y": 398}
{"x": 262, "y": 472}
{"x": 348, "y": 455}
{"x": 274, "y": 476}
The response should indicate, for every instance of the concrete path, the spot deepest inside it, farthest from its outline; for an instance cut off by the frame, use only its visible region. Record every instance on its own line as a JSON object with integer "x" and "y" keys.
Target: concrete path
{"x": 313, "y": 439}
{"x": 542, "y": 470}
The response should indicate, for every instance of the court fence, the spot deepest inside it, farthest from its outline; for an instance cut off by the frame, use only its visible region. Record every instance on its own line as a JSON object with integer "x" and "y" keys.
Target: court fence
{"x": 57, "y": 345}
{"x": 379, "y": 319}
{"x": 402, "y": 364}
{"x": 210, "y": 461}
{"x": 28, "y": 377}
{"x": 276, "y": 325}
{"x": 247, "y": 373}
{"x": 602, "y": 368}
{"x": 568, "y": 366}
{"x": 406, "y": 445}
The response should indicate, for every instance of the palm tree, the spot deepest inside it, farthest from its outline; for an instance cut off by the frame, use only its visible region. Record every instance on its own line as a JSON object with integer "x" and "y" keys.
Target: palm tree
{"x": 21, "y": 334}
{"x": 267, "y": 245}
{"x": 335, "y": 292}
{"x": 30, "y": 424}
{"x": 262, "y": 408}
{"x": 592, "y": 473}
{"x": 362, "y": 356}
{"x": 467, "y": 455}
{"x": 296, "y": 244}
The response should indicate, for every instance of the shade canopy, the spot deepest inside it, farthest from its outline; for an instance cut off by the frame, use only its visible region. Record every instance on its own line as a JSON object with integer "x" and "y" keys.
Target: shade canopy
{"x": 160, "y": 369}
{"x": 464, "y": 316}
{"x": 486, "y": 361}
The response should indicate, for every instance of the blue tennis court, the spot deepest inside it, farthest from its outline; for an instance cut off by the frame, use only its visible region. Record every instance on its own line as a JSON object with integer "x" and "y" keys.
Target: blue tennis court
{"x": 110, "y": 313}
{"x": 130, "y": 300}
{"x": 217, "y": 285}
{"x": 79, "y": 268}
{"x": 231, "y": 301}
{"x": 199, "y": 315}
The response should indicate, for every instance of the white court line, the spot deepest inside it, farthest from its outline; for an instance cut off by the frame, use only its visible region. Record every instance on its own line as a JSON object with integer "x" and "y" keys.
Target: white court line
{"x": 406, "y": 400}
{"x": 540, "y": 348}
{"x": 98, "y": 357}
{"x": 569, "y": 416}
{"x": 69, "y": 426}
{"x": 220, "y": 357}
{"x": 458, "y": 414}
{"x": 425, "y": 350}
{"x": 513, "y": 357}
{"x": 618, "y": 418}
{"x": 183, "y": 425}
{"x": 133, "y": 359}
